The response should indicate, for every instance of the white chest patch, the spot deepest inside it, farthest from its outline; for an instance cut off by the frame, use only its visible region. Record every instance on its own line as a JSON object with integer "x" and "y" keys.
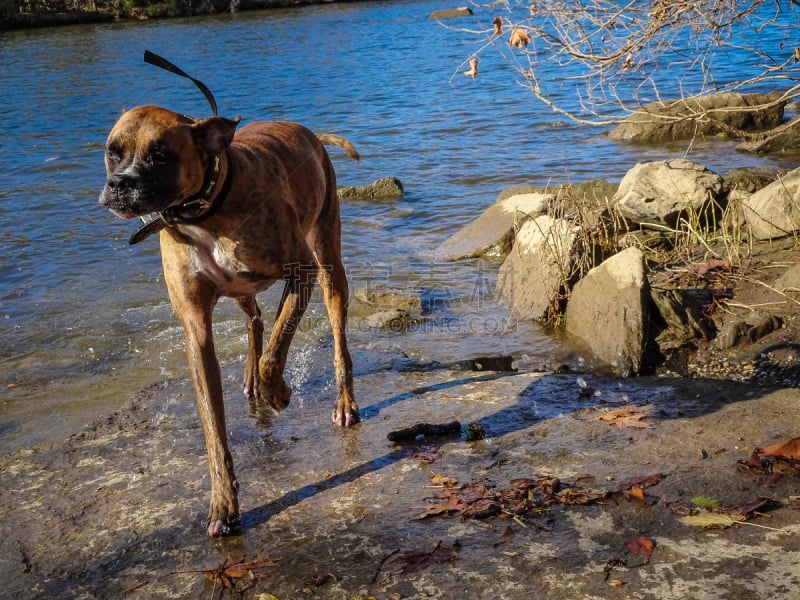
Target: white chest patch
{"x": 218, "y": 263}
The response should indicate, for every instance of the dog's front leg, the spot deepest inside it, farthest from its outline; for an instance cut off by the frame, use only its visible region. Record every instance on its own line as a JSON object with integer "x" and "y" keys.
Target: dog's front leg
{"x": 193, "y": 300}
{"x": 223, "y": 512}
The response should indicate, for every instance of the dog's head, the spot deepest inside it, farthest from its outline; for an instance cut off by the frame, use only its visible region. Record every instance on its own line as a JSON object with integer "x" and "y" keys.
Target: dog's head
{"x": 156, "y": 158}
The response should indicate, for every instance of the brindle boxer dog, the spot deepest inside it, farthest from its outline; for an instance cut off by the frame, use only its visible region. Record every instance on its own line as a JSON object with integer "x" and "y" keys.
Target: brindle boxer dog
{"x": 237, "y": 211}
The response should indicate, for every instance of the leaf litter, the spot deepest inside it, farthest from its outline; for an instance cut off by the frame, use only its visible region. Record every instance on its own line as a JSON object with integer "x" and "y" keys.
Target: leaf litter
{"x": 523, "y": 496}
{"x": 228, "y": 573}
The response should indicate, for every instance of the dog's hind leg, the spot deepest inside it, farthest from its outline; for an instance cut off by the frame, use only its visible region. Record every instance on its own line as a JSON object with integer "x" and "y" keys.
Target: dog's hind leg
{"x": 272, "y": 386}
{"x": 255, "y": 339}
{"x": 335, "y": 294}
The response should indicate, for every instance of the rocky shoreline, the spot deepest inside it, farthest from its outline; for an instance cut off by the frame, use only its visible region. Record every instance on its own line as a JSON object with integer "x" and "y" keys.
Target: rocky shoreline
{"x": 52, "y": 13}
{"x": 674, "y": 270}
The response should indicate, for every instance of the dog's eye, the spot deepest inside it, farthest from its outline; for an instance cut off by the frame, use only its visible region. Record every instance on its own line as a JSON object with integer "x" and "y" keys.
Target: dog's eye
{"x": 113, "y": 154}
{"x": 159, "y": 155}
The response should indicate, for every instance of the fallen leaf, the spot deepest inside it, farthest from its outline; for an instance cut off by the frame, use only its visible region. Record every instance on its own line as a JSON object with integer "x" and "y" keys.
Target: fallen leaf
{"x": 412, "y": 561}
{"x": 506, "y": 536}
{"x": 448, "y": 508}
{"x": 626, "y": 416}
{"x": 707, "y": 520}
{"x": 710, "y": 265}
{"x": 748, "y": 509}
{"x": 427, "y": 454}
{"x": 703, "y": 502}
{"x": 641, "y": 545}
{"x": 642, "y": 481}
{"x": 443, "y": 480}
{"x": 227, "y": 572}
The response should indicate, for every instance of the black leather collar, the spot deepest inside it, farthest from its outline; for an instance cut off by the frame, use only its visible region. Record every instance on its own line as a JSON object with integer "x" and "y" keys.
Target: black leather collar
{"x": 196, "y": 209}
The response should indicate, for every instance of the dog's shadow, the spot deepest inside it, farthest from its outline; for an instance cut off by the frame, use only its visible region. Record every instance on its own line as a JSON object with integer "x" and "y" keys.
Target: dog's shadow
{"x": 545, "y": 397}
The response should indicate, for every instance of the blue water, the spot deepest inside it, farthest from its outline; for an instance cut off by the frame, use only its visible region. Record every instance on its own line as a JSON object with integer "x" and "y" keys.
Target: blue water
{"x": 84, "y": 318}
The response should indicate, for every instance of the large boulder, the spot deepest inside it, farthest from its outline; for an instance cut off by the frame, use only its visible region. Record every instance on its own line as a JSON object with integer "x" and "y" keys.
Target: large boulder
{"x": 537, "y": 271}
{"x": 659, "y": 193}
{"x": 774, "y": 211}
{"x": 703, "y": 116}
{"x": 491, "y": 235}
{"x": 609, "y": 310}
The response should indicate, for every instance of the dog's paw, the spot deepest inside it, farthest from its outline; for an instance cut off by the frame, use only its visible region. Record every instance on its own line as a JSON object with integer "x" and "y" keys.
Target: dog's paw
{"x": 220, "y": 528}
{"x": 274, "y": 393}
{"x": 223, "y": 512}
{"x": 222, "y": 522}
{"x": 345, "y": 414}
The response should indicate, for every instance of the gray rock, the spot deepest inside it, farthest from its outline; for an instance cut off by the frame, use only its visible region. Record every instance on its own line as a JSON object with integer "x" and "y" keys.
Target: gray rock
{"x": 395, "y": 320}
{"x": 682, "y": 312}
{"x": 751, "y": 329}
{"x": 748, "y": 179}
{"x": 451, "y": 13}
{"x": 380, "y": 189}
{"x": 789, "y": 281}
{"x": 674, "y": 120}
{"x": 785, "y": 138}
{"x": 659, "y": 193}
{"x": 539, "y": 267}
{"x": 491, "y": 235}
{"x": 378, "y": 299}
{"x": 609, "y": 310}
{"x": 774, "y": 211}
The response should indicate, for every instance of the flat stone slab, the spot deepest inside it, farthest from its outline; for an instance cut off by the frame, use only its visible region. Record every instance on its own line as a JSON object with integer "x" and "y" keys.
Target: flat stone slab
{"x": 117, "y": 510}
{"x": 492, "y": 234}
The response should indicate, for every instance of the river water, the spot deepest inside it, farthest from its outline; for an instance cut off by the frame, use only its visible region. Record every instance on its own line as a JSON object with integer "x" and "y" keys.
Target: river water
{"x": 84, "y": 318}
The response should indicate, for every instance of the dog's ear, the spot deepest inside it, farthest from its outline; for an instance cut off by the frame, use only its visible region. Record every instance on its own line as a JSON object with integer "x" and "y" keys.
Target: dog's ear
{"x": 215, "y": 133}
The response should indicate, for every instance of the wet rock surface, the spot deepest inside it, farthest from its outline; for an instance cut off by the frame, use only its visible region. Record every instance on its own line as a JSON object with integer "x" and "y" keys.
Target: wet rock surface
{"x": 118, "y": 510}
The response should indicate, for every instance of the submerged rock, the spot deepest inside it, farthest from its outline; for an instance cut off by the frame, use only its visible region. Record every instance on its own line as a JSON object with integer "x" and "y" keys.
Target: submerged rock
{"x": 451, "y": 13}
{"x": 380, "y": 189}
{"x": 706, "y": 116}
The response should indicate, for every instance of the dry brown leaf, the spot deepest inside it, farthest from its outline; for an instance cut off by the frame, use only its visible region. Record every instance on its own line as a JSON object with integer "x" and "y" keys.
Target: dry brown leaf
{"x": 473, "y": 68}
{"x": 443, "y": 480}
{"x": 641, "y": 545}
{"x": 519, "y": 38}
{"x": 448, "y": 508}
{"x": 641, "y": 481}
{"x": 427, "y": 454}
{"x": 714, "y": 263}
{"x": 412, "y": 561}
{"x": 227, "y": 572}
{"x": 498, "y": 25}
{"x": 506, "y": 536}
{"x": 707, "y": 520}
{"x": 625, "y": 416}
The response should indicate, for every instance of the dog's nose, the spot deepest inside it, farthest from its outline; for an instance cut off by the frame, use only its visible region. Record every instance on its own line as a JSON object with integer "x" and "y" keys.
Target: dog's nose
{"x": 117, "y": 182}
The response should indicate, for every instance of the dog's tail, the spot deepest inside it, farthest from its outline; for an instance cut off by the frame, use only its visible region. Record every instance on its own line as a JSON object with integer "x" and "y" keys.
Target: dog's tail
{"x": 330, "y": 139}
